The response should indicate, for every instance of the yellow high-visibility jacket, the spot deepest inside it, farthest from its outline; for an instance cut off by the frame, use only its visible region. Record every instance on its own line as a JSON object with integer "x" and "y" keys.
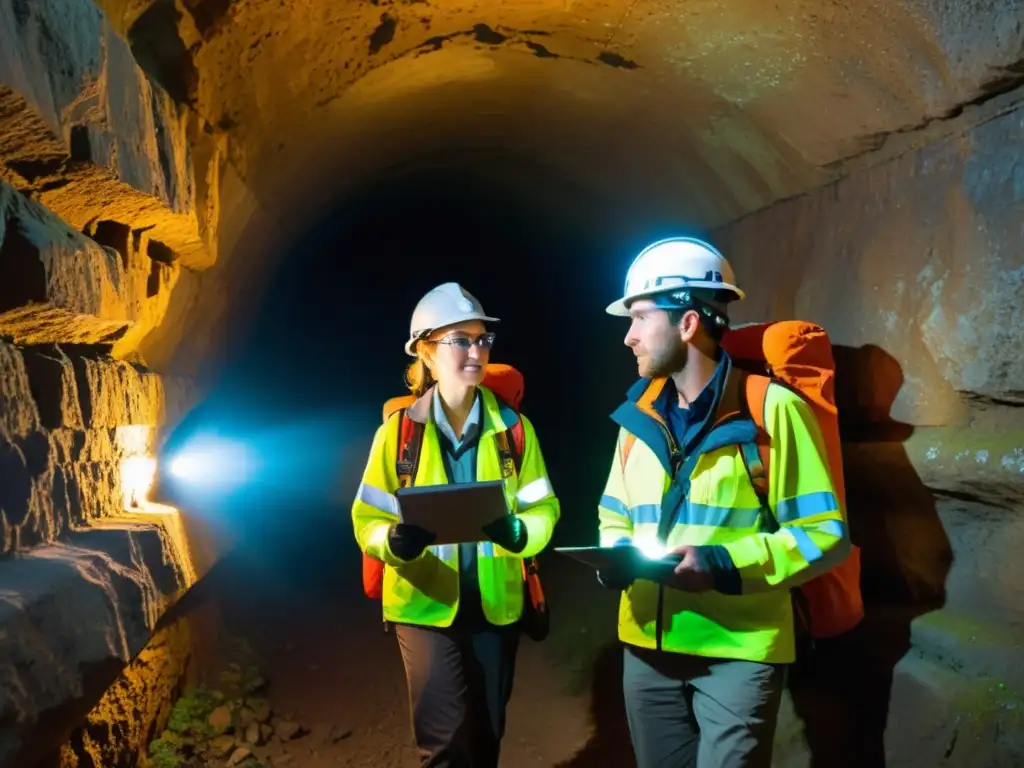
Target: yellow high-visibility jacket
{"x": 749, "y": 614}
{"x": 425, "y": 591}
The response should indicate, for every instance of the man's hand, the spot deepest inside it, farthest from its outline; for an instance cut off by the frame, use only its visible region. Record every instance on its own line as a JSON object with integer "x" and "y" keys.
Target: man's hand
{"x": 694, "y": 573}
{"x": 612, "y": 578}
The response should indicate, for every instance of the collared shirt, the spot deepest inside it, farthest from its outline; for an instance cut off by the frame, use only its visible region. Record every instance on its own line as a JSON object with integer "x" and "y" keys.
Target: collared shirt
{"x": 470, "y": 430}
{"x": 687, "y": 424}
{"x": 459, "y": 454}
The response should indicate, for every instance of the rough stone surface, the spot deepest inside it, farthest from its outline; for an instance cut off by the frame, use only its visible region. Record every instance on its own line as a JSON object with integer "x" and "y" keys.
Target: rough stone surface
{"x": 73, "y": 615}
{"x": 916, "y": 260}
{"x": 712, "y": 109}
{"x": 914, "y": 267}
{"x": 706, "y": 107}
{"x": 72, "y": 420}
{"x": 83, "y": 130}
{"x": 58, "y": 285}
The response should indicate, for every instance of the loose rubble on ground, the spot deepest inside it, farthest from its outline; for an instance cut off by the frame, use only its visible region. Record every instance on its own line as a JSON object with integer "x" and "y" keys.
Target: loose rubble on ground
{"x": 234, "y": 726}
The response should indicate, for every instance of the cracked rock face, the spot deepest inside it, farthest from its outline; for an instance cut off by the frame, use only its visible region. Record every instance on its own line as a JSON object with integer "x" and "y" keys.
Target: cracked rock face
{"x": 918, "y": 257}
{"x": 85, "y": 132}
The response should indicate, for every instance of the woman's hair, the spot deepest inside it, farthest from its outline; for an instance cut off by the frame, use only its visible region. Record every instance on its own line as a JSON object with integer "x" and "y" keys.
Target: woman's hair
{"x": 417, "y": 375}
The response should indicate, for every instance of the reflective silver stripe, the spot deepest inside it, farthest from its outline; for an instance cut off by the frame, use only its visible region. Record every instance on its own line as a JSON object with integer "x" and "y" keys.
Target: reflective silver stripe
{"x": 446, "y": 552}
{"x": 720, "y": 517}
{"x": 806, "y": 505}
{"x": 807, "y": 547}
{"x": 832, "y": 527}
{"x": 645, "y": 513}
{"x": 614, "y": 505}
{"x": 375, "y": 497}
{"x": 533, "y": 492}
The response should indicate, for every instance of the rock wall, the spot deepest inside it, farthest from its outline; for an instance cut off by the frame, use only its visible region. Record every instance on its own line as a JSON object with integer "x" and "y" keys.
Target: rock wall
{"x": 108, "y": 205}
{"x": 915, "y": 268}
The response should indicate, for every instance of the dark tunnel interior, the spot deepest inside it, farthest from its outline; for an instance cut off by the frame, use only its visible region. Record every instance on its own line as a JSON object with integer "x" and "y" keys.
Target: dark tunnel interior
{"x": 310, "y": 370}
{"x": 217, "y": 216}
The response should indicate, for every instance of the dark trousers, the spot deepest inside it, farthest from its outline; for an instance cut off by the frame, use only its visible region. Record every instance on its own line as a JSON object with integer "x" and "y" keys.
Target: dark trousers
{"x": 686, "y": 711}
{"x": 460, "y": 682}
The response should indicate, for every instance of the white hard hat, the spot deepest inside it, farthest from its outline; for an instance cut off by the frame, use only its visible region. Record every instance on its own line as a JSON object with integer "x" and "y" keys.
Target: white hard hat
{"x": 445, "y": 305}
{"x": 674, "y": 264}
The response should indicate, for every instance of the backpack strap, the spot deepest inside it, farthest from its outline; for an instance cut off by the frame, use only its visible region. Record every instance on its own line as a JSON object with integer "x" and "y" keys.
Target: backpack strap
{"x": 511, "y": 444}
{"x": 410, "y": 439}
{"x": 756, "y": 455}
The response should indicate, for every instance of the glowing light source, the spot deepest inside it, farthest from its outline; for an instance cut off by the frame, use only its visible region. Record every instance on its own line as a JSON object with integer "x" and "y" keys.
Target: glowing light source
{"x": 208, "y": 461}
{"x": 655, "y": 550}
{"x": 137, "y": 474}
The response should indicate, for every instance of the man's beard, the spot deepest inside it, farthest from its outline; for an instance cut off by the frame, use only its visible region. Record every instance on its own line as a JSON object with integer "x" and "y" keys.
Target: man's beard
{"x": 669, "y": 360}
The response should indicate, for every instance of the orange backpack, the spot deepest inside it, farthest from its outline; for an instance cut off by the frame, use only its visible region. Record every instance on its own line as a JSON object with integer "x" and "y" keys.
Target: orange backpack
{"x": 507, "y": 384}
{"x": 799, "y": 355}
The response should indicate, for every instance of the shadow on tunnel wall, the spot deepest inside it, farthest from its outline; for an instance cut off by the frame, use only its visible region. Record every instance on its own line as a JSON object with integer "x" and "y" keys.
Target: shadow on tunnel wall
{"x": 842, "y": 698}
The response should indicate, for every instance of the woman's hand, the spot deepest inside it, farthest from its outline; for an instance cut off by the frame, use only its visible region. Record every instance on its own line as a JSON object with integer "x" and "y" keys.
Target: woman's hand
{"x": 508, "y": 532}
{"x": 408, "y": 541}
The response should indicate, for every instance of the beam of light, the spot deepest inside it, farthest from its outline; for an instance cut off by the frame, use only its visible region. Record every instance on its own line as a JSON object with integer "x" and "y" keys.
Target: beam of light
{"x": 228, "y": 468}
{"x": 214, "y": 463}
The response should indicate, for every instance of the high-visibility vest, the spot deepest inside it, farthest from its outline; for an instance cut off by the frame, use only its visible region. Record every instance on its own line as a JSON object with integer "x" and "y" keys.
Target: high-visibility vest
{"x": 425, "y": 591}
{"x": 720, "y": 507}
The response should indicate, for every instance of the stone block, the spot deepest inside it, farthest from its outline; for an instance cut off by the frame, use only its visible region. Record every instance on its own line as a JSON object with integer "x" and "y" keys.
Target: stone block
{"x": 87, "y": 133}
{"x": 72, "y": 617}
{"x": 115, "y": 393}
{"x": 55, "y": 283}
{"x": 18, "y": 413}
{"x": 75, "y": 415}
{"x": 60, "y": 286}
{"x": 52, "y": 379}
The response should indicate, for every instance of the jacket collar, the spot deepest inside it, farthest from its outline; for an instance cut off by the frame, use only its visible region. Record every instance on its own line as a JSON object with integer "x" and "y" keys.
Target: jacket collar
{"x": 652, "y": 395}
{"x": 496, "y": 415}
{"x": 643, "y": 413}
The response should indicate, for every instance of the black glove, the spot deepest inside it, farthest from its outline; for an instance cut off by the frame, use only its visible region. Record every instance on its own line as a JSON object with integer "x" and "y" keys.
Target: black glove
{"x": 614, "y": 578}
{"x": 508, "y": 532}
{"x": 407, "y": 541}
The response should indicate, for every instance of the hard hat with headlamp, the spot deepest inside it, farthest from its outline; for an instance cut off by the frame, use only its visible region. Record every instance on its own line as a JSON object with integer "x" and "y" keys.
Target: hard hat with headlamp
{"x": 681, "y": 273}
{"x": 447, "y": 304}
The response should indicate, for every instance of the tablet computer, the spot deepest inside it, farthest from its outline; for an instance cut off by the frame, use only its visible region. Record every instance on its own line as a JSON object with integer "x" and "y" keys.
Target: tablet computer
{"x": 457, "y": 512}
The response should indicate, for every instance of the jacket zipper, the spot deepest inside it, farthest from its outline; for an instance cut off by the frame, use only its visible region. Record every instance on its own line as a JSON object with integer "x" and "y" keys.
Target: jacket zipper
{"x": 673, "y": 459}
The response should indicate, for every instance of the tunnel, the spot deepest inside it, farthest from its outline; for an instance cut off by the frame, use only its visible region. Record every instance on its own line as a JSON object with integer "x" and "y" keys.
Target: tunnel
{"x": 216, "y": 217}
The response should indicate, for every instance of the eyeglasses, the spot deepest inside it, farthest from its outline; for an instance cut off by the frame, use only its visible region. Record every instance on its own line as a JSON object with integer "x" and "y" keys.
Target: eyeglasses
{"x": 483, "y": 341}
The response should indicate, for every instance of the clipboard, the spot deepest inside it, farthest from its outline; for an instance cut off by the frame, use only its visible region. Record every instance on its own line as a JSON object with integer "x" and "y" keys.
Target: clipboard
{"x": 627, "y": 559}
{"x": 457, "y": 512}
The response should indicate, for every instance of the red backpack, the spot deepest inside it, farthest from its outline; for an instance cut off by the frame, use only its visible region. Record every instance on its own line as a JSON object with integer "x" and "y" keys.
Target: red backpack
{"x": 507, "y": 384}
{"x": 798, "y": 355}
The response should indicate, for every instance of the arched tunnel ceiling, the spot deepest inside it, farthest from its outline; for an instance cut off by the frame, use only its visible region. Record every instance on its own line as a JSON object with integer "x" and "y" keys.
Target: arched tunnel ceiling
{"x": 711, "y": 107}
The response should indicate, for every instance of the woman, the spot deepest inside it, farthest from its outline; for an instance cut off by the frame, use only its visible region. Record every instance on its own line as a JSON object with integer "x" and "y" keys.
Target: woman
{"x": 455, "y": 608}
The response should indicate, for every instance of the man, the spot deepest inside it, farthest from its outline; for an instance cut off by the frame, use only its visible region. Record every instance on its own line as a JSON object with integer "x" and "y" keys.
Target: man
{"x": 705, "y": 645}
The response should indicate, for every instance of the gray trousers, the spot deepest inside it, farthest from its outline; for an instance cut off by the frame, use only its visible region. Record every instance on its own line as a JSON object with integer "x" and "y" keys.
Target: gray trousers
{"x": 460, "y": 682}
{"x": 686, "y": 711}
